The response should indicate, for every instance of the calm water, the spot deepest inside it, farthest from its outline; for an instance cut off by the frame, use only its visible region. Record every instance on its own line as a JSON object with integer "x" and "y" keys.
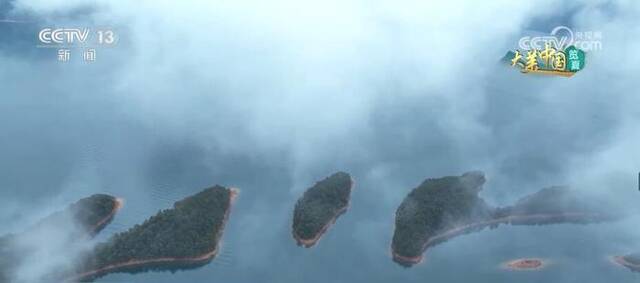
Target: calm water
{"x": 257, "y": 244}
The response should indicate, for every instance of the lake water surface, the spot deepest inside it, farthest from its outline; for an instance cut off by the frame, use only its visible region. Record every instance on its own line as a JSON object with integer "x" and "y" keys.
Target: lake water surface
{"x": 257, "y": 245}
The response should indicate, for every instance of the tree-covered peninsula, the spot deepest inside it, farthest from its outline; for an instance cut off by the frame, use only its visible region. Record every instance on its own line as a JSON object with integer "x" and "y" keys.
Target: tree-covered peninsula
{"x": 65, "y": 228}
{"x": 442, "y": 208}
{"x": 433, "y": 208}
{"x": 184, "y": 236}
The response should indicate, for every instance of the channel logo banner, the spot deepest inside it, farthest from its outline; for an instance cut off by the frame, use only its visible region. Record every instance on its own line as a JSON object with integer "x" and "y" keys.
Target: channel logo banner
{"x": 548, "y": 61}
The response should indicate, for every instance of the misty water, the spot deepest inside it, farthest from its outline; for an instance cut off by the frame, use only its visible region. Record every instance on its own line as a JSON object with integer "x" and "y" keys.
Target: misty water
{"x": 270, "y": 98}
{"x": 257, "y": 245}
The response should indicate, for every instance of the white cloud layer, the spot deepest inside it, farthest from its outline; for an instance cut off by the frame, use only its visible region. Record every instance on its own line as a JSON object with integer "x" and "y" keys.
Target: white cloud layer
{"x": 395, "y": 90}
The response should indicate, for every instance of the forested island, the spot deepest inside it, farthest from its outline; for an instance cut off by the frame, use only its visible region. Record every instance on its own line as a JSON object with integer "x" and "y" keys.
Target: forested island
{"x": 95, "y": 212}
{"x": 82, "y": 219}
{"x": 184, "y": 236}
{"x": 434, "y": 208}
{"x": 319, "y": 208}
{"x": 443, "y": 208}
{"x": 90, "y": 214}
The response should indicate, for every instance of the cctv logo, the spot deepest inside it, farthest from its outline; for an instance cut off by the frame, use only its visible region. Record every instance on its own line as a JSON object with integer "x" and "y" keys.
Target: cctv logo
{"x": 556, "y": 41}
{"x": 63, "y": 35}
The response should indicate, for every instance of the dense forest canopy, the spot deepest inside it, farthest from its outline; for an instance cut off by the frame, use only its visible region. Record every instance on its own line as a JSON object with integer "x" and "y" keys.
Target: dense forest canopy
{"x": 320, "y": 204}
{"x": 435, "y": 205}
{"x": 190, "y": 229}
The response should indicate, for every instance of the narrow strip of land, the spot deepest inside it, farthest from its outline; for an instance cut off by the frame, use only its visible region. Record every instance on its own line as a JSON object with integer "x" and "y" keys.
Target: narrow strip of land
{"x": 512, "y": 219}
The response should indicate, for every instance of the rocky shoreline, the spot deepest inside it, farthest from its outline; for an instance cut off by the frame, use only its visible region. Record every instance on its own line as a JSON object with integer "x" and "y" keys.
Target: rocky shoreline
{"x": 525, "y": 264}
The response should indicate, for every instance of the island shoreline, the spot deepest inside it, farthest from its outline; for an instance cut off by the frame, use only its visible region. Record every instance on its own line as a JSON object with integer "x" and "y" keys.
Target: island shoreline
{"x": 525, "y": 264}
{"x": 138, "y": 263}
{"x": 464, "y": 229}
{"x": 119, "y": 203}
{"x": 308, "y": 243}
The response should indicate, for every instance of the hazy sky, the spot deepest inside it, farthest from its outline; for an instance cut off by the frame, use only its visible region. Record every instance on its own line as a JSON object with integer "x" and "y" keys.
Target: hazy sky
{"x": 275, "y": 95}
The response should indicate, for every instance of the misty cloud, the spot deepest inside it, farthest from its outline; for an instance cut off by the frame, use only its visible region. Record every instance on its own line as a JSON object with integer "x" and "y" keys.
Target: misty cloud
{"x": 271, "y": 97}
